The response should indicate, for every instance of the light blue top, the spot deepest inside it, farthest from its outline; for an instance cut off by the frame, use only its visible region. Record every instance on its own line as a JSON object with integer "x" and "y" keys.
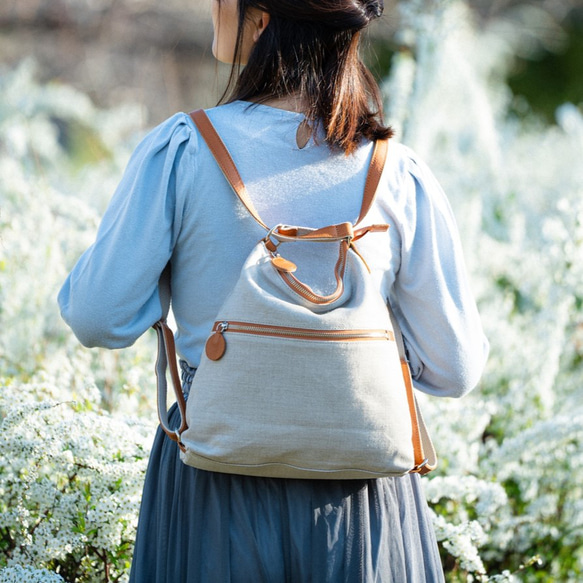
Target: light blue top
{"x": 173, "y": 202}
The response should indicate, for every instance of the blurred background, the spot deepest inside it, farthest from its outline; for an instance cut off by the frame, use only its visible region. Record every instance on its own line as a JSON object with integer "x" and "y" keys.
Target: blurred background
{"x": 158, "y": 53}
{"x": 489, "y": 94}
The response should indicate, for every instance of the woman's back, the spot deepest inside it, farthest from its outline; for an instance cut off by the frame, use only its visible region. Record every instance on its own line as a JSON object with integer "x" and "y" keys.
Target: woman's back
{"x": 174, "y": 200}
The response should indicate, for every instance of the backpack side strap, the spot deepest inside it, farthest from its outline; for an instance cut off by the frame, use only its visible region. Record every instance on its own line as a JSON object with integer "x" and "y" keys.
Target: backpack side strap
{"x": 425, "y": 454}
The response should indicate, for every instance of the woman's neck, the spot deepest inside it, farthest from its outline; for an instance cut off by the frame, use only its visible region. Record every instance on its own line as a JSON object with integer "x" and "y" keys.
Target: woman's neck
{"x": 288, "y": 103}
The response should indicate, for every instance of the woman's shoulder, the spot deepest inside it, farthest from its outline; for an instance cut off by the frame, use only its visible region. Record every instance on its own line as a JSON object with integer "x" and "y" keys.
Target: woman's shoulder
{"x": 175, "y": 138}
{"x": 410, "y": 171}
{"x": 178, "y": 126}
{"x": 404, "y": 160}
{"x": 237, "y": 120}
{"x": 410, "y": 186}
{"x": 183, "y": 119}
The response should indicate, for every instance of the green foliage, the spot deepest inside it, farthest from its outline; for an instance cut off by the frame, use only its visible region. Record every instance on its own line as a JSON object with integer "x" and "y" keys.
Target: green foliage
{"x": 549, "y": 77}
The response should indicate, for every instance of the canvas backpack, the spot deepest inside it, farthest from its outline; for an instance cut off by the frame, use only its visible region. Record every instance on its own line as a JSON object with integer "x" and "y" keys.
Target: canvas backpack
{"x": 292, "y": 383}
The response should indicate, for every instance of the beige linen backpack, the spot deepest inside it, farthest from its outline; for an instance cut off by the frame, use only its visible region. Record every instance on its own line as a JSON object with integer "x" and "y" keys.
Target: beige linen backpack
{"x": 293, "y": 384}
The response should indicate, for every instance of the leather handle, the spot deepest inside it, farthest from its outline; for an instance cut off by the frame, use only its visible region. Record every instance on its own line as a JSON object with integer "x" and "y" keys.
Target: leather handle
{"x": 305, "y": 291}
{"x": 330, "y": 233}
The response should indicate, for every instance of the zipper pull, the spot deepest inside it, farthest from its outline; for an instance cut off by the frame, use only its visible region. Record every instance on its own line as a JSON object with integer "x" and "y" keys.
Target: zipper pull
{"x": 216, "y": 345}
{"x": 283, "y": 265}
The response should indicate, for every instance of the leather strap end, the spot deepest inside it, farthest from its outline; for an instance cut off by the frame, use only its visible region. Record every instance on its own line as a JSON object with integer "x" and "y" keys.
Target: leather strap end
{"x": 167, "y": 360}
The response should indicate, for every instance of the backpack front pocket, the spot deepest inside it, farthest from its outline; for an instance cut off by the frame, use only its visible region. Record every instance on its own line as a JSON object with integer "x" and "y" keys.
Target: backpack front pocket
{"x": 216, "y": 344}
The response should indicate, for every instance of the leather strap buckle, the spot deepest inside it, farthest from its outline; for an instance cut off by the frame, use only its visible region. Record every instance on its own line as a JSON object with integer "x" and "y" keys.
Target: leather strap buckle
{"x": 420, "y": 466}
{"x": 271, "y": 242}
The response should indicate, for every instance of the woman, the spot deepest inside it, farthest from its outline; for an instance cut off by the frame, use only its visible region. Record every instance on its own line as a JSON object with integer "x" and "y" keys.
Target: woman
{"x": 299, "y": 122}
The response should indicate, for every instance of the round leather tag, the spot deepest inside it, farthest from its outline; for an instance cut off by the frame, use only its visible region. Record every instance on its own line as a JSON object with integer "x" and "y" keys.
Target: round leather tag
{"x": 215, "y": 346}
{"x": 284, "y": 265}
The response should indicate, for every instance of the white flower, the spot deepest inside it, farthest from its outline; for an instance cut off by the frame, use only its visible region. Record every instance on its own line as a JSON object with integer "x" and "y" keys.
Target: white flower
{"x": 510, "y": 479}
{"x": 27, "y": 574}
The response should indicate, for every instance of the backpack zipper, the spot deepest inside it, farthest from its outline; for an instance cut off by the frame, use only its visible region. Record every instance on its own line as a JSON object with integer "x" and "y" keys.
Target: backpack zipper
{"x": 304, "y": 290}
{"x": 216, "y": 344}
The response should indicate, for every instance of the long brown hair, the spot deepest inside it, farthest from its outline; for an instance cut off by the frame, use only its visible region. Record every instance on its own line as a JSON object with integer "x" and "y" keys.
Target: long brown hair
{"x": 311, "y": 48}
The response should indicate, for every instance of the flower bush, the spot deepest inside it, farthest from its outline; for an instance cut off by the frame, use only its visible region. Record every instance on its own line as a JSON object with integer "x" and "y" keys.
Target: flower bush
{"x": 29, "y": 574}
{"x": 71, "y": 479}
{"x": 60, "y": 160}
{"x": 507, "y": 497}
{"x": 71, "y": 457}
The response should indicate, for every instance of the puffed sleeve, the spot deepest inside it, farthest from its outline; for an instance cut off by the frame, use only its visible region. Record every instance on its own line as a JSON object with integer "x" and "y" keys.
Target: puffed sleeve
{"x": 443, "y": 334}
{"x": 111, "y": 297}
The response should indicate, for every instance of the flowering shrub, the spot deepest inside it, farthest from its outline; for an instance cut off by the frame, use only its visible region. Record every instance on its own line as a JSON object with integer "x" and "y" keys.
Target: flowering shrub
{"x": 507, "y": 495}
{"x": 60, "y": 160}
{"x": 20, "y": 574}
{"x": 70, "y": 472}
{"x": 71, "y": 478}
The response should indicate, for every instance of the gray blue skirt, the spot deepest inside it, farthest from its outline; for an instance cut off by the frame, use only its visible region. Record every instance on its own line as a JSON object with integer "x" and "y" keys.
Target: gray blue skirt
{"x": 205, "y": 527}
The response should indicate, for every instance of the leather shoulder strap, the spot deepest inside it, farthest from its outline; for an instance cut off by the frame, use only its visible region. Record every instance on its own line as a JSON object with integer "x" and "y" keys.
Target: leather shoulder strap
{"x": 375, "y": 171}
{"x": 226, "y": 164}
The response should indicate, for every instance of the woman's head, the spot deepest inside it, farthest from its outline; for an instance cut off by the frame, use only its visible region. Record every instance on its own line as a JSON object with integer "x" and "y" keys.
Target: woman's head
{"x": 226, "y": 25}
{"x": 308, "y": 49}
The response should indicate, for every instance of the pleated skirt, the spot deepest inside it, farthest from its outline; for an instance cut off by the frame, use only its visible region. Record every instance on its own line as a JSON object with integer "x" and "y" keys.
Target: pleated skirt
{"x": 205, "y": 527}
